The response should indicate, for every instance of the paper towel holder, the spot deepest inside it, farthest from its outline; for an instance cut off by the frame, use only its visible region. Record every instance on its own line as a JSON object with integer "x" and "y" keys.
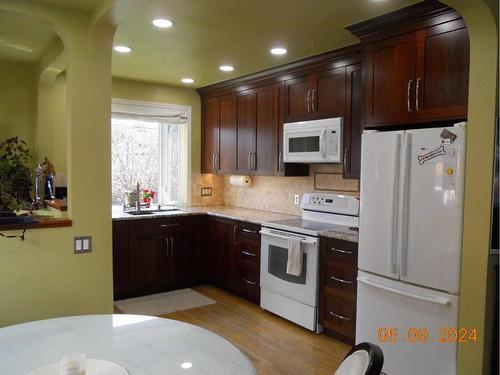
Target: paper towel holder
{"x": 243, "y": 181}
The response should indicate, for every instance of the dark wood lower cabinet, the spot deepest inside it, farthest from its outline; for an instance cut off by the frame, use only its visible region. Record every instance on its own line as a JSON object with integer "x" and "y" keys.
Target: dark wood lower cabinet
{"x": 162, "y": 254}
{"x": 338, "y": 288}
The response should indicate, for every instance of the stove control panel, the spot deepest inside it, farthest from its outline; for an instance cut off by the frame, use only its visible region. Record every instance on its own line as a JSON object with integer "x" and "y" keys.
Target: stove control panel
{"x": 332, "y": 203}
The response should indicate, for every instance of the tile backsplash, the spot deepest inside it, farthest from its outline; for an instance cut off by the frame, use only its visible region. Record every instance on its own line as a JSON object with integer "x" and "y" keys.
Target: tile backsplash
{"x": 271, "y": 193}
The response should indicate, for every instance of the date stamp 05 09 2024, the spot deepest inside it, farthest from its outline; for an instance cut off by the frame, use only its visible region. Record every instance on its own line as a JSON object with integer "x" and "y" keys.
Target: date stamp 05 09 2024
{"x": 419, "y": 335}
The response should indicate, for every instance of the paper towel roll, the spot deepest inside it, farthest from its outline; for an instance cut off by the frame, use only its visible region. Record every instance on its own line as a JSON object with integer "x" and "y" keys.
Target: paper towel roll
{"x": 240, "y": 181}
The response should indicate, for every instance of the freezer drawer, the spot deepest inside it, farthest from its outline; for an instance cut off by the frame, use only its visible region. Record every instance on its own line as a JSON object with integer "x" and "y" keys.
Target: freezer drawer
{"x": 385, "y": 304}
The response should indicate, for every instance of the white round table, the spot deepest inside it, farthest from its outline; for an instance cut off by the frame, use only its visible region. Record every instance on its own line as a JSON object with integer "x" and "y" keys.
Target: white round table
{"x": 144, "y": 345}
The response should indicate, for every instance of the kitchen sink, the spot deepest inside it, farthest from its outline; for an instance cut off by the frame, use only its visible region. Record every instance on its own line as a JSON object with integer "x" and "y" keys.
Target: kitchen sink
{"x": 139, "y": 213}
{"x": 153, "y": 211}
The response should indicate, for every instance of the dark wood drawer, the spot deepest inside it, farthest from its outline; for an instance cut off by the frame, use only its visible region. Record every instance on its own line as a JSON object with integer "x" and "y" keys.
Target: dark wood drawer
{"x": 250, "y": 281}
{"x": 340, "y": 315}
{"x": 248, "y": 231}
{"x": 152, "y": 227}
{"x": 340, "y": 275}
{"x": 339, "y": 249}
{"x": 249, "y": 252}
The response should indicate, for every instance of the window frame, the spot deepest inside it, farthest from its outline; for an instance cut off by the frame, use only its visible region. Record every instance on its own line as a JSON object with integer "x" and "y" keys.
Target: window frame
{"x": 156, "y": 109}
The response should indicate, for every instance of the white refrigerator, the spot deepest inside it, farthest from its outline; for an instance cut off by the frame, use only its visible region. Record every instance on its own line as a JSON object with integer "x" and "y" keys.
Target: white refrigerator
{"x": 410, "y": 240}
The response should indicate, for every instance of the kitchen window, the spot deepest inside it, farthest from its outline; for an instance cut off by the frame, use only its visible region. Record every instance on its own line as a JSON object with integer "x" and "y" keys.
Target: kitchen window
{"x": 149, "y": 145}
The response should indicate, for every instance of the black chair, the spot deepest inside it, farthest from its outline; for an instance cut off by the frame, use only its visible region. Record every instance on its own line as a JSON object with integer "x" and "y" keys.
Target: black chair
{"x": 363, "y": 359}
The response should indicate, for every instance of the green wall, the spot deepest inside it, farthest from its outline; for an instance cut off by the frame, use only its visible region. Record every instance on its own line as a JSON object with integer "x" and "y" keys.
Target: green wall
{"x": 52, "y": 121}
{"x": 152, "y": 92}
{"x": 17, "y": 101}
{"x": 41, "y": 277}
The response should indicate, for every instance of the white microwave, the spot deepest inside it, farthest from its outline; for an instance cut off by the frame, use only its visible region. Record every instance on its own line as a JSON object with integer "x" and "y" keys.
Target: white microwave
{"x": 316, "y": 141}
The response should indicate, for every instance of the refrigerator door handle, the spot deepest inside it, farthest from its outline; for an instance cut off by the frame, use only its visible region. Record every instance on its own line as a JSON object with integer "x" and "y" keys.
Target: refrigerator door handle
{"x": 394, "y": 208}
{"x": 436, "y": 300}
{"x": 403, "y": 206}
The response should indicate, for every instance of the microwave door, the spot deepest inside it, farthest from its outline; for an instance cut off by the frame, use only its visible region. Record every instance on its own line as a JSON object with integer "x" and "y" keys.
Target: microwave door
{"x": 303, "y": 146}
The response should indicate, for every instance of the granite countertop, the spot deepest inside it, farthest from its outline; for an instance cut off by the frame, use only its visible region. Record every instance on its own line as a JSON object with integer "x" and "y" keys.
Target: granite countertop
{"x": 234, "y": 213}
{"x": 341, "y": 233}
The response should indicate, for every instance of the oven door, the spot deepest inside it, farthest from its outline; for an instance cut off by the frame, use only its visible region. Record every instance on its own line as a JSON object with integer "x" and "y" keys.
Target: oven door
{"x": 274, "y": 258}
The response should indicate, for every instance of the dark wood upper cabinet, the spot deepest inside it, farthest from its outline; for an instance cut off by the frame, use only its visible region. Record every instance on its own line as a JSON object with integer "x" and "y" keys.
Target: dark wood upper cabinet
{"x": 210, "y": 134}
{"x": 266, "y": 159}
{"x": 415, "y": 65}
{"x": 442, "y": 78}
{"x": 246, "y": 115}
{"x": 226, "y": 159}
{"x": 390, "y": 80}
{"x": 298, "y": 98}
{"x": 353, "y": 122}
{"x": 315, "y": 96}
{"x": 329, "y": 95}
{"x": 247, "y": 131}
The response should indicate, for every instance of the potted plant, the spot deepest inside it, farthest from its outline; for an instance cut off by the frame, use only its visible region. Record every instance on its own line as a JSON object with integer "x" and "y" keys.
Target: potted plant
{"x": 16, "y": 178}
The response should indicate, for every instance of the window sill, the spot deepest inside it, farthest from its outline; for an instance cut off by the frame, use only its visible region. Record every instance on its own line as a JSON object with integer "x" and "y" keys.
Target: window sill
{"x": 43, "y": 223}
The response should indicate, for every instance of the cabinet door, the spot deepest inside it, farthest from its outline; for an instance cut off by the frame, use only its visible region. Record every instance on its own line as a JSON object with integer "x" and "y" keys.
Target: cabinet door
{"x": 210, "y": 140}
{"x": 185, "y": 254}
{"x": 442, "y": 72}
{"x": 226, "y": 159}
{"x": 217, "y": 246}
{"x": 390, "y": 81}
{"x": 232, "y": 250}
{"x": 352, "y": 122}
{"x": 120, "y": 259}
{"x": 265, "y": 160}
{"x": 247, "y": 132}
{"x": 298, "y": 98}
{"x": 149, "y": 261}
{"x": 329, "y": 96}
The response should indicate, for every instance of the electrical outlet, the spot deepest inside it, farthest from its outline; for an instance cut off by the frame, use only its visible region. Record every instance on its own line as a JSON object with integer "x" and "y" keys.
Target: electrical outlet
{"x": 206, "y": 191}
{"x": 82, "y": 244}
{"x": 296, "y": 199}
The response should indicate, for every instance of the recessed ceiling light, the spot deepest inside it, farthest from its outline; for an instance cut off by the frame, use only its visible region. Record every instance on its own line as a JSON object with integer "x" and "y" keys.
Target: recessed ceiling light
{"x": 186, "y": 365}
{"x": 162, "y": 23}
{"x": 122, "y": 49}
{"x": 278, "y": 51}
{"x": 226, "y": 68}
{"x": 187, "y": 80}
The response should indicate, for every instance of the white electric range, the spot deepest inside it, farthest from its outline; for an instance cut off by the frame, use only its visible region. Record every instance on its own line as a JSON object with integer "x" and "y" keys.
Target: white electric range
{"x": 296, "y": 297}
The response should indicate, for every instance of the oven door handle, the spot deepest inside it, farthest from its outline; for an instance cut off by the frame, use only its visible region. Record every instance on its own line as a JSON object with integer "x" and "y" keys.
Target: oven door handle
{"x": 304, "y": 241}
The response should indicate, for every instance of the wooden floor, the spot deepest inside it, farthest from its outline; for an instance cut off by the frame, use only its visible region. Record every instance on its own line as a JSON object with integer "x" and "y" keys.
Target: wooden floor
{"x": 274, "y": 345}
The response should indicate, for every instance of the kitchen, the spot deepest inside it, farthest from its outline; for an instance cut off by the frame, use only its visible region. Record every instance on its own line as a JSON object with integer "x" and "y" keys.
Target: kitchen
{"x": 296, "y": 131}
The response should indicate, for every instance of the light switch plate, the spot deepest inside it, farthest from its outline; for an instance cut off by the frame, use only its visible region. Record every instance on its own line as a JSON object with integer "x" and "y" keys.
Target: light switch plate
{"x": 82, "y": 244}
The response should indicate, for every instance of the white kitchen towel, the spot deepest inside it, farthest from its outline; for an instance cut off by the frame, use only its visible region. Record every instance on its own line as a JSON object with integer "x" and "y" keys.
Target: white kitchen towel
{"x": 295, "y": 255}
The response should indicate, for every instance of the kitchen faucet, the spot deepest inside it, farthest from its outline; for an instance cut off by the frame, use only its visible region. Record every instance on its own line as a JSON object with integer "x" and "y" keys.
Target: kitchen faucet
{"x": 138, "y": 198}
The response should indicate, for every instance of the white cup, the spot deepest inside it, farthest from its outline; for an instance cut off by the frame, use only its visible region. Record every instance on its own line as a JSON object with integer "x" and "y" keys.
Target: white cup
{"x": 73, "y": 364}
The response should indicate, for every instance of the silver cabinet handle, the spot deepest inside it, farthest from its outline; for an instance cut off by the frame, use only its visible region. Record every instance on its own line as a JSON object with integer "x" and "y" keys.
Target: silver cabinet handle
{"x": 213, "y": 162}
{"x": 217, "y": 161}
{"x": 339, "y": 316}
{"x": 249, "y": 282}
{"x": 249, "y": 253}
{"x": 169, "y": 225}
{"x": 308, "y": 100}
{"x": 249, "y": 231}
{"x": 417, "y": 94}
{"x": 342, "y": 251}
{"x": 167, "y": 247}
{"x": 249, "y": 161}
{"x": 235, "y": 227}
{"x": 408, "y": 95}
{"x": 313, "y": 100}
{"x": 172, "y": 245}
{"x": 254, "y": 161}
{"x": 340, "y": 280}
{"x": 280, "y": 162}
{"x": 346, "y": 164}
